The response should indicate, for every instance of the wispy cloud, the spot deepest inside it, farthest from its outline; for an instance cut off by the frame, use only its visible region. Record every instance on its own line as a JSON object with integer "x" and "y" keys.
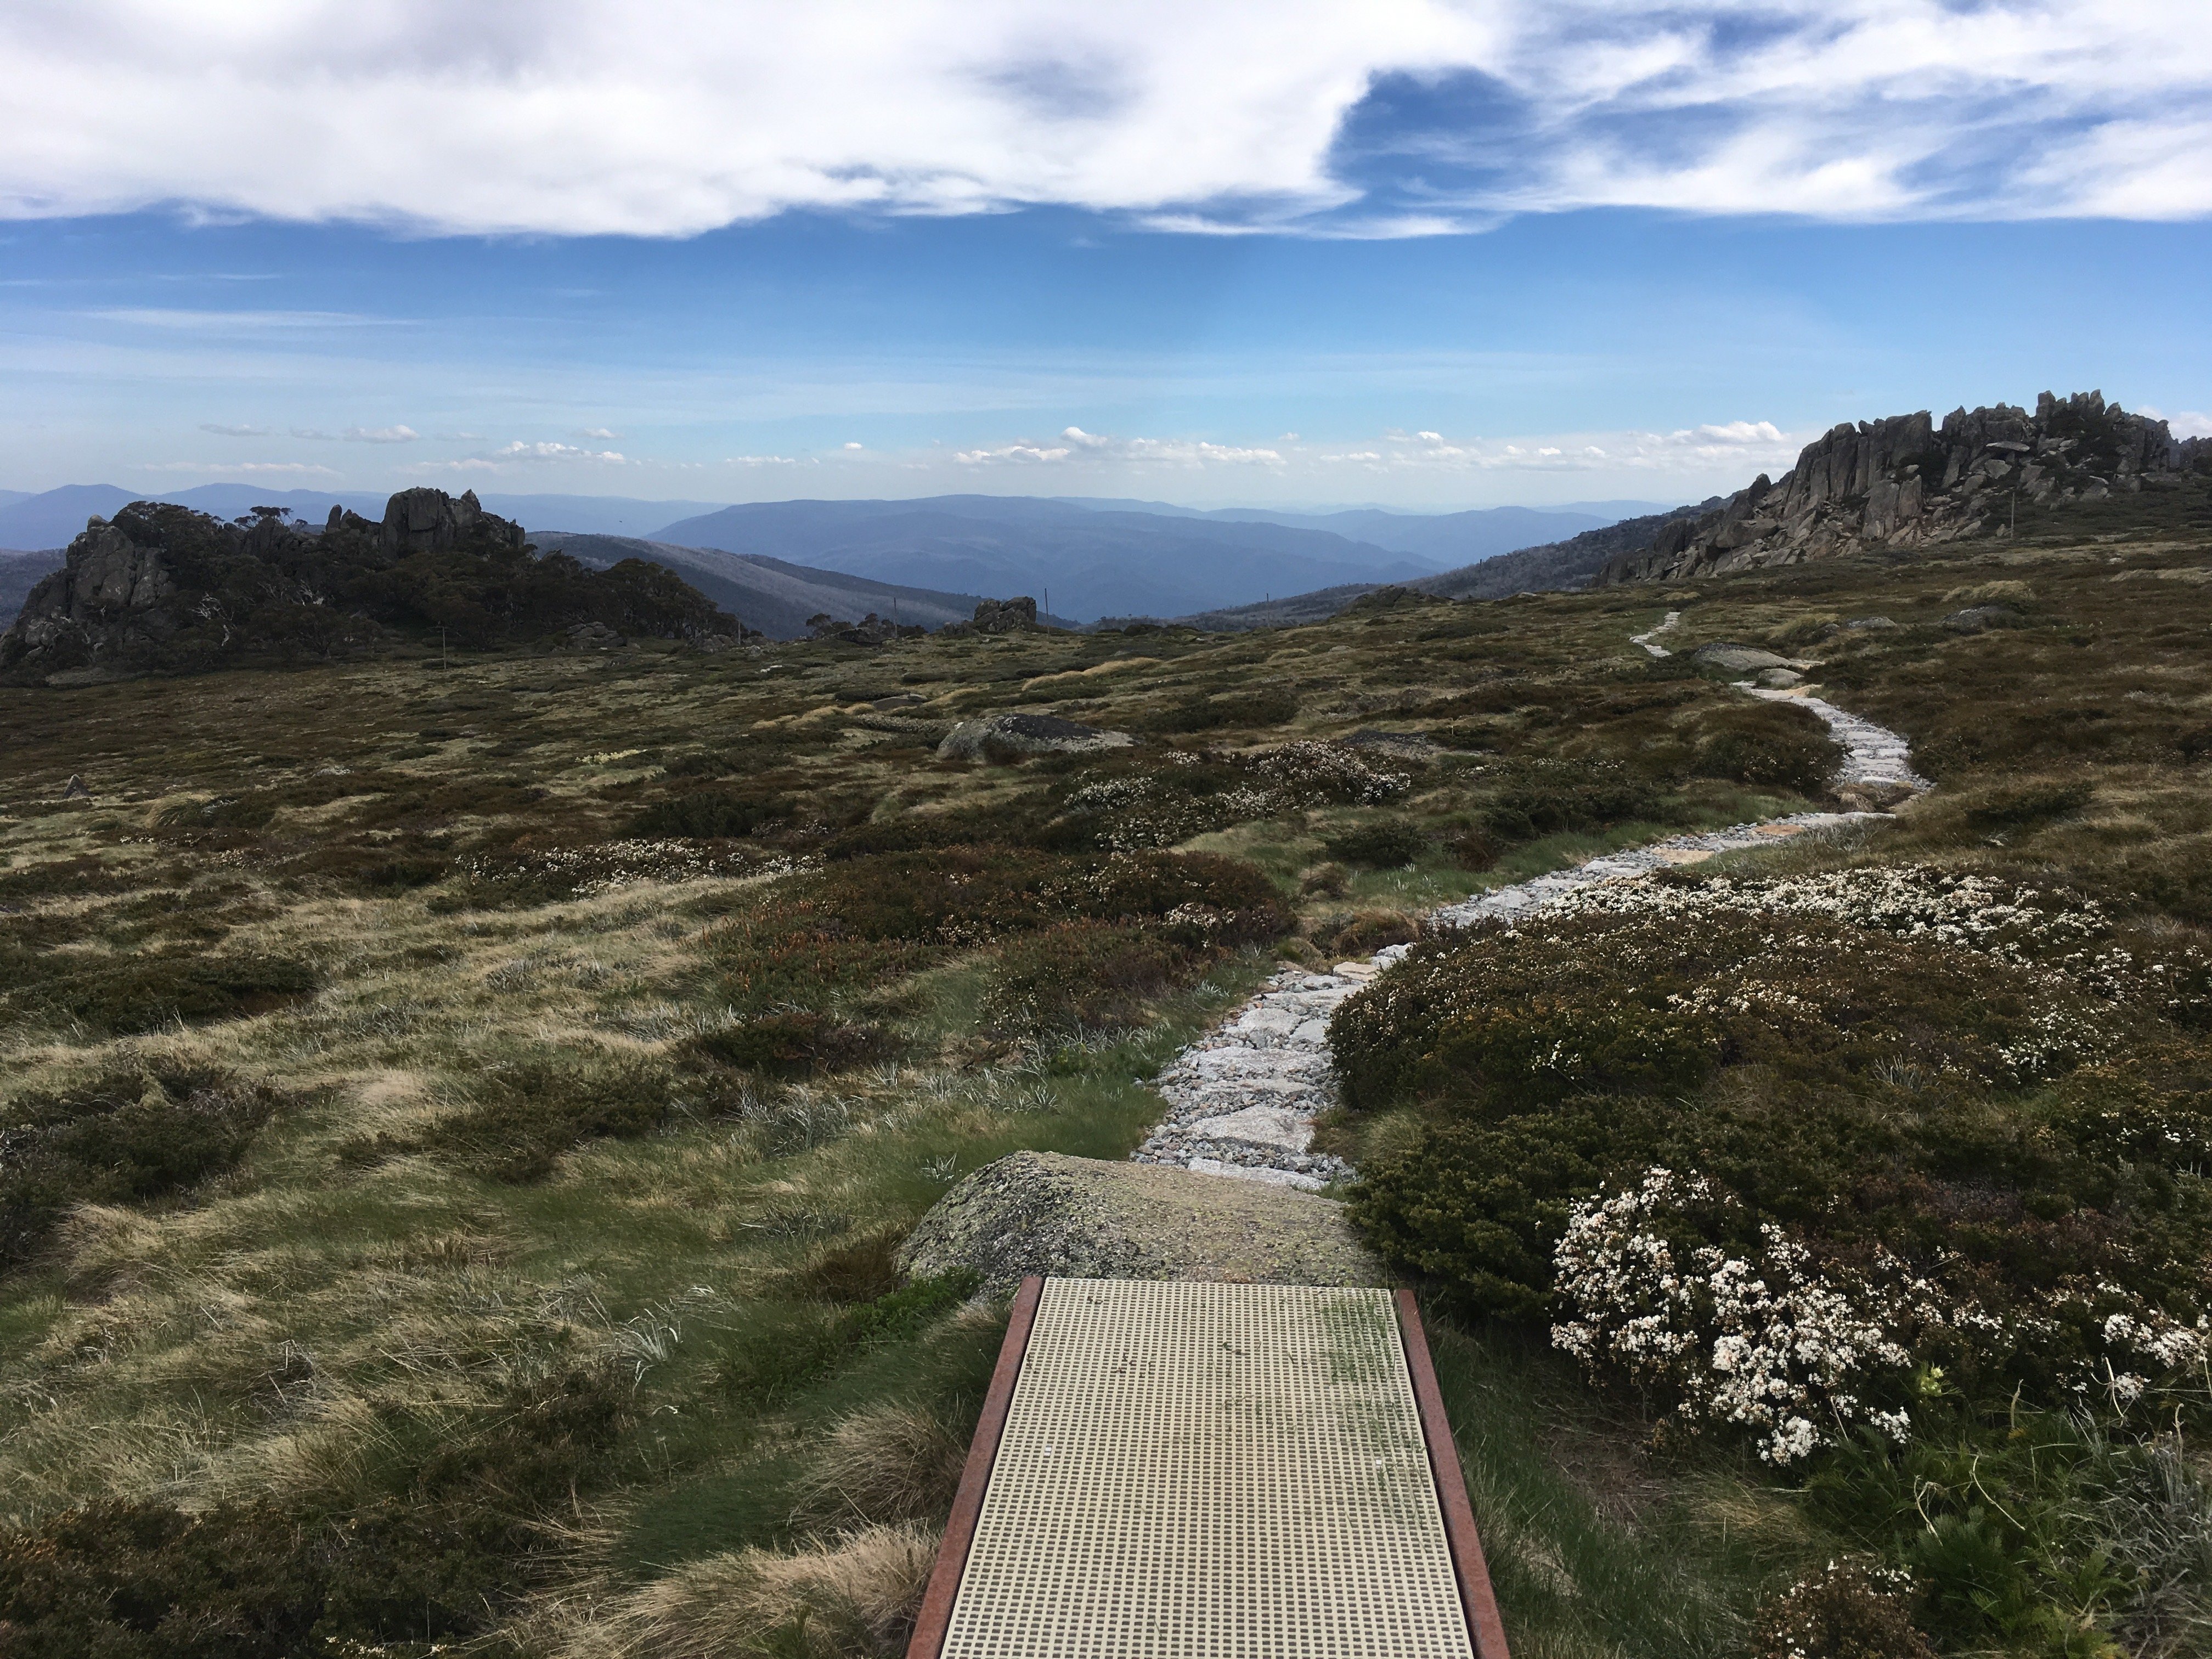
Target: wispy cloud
{"x": 1075, "y": 443}
{"x": 221, "y": 431}
{"x": 1395, "y": 118}
{"x": 259, "y": 469}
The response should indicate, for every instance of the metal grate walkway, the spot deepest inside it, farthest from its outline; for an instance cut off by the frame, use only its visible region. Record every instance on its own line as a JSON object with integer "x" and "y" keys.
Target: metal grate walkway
{"x": 1197, "y": 1471}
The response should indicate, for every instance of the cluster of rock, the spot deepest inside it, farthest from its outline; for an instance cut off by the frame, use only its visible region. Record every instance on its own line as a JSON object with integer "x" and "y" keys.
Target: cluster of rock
{"x": 161, "y": 588}
{"x": 1014, "y": 615}
{"x": 1004, "y": 739}
{"x": 1905, "y": 482}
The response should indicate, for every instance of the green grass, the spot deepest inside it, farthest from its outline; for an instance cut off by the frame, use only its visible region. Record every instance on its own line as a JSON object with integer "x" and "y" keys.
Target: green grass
{"x": 306, "y": 1327}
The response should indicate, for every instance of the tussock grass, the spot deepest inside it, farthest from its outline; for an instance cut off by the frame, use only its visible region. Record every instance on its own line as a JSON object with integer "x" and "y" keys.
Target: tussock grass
{"x": 448, "y": 1204}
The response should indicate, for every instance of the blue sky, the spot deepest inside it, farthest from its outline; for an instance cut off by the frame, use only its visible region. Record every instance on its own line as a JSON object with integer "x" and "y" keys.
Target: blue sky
{"x": 1454, "y": 255}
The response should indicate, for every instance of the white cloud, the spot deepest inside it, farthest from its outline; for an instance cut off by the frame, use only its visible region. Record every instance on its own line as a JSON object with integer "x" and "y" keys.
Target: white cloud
{"x": 761, "y": 460}
{"x": 600, "y": 433}
{"x": 381, "y": 434}
{"x": 217, "y": 322}
{"x": 672, "y": 117}
{"x": 221, "y": 431}
{"x": 519, "y": 451}
{"x": 1076, "y": 444}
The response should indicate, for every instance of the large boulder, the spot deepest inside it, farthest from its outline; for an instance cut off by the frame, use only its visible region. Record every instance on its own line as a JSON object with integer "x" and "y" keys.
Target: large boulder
{"x": 1740, "y": 658}
{"x": 1017, "y": 737}
{"x": 1076, "y": 1217}
{"x": 428, "y": 520}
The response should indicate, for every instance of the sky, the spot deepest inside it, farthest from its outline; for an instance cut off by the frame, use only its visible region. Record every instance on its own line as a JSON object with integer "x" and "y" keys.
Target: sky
{"x": 1411, "y": 253}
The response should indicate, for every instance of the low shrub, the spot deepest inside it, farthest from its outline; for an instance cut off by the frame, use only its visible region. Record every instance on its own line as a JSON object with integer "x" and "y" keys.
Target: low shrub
{"x": 2019, "y": 806}
{"x": 1913, "y": 1119}
{"x": 475, "y": 1526}
{"x": 711, "y": 815}
{"x": 145, "y": 992}
{"x": 1082, "y": 973}
{"x": 126, "y": 1137}
{"x": 1384, "y": 844}
{"x": 524, "y": 1115}
{"x": 1773, "y": 745}
{"x": 1202, "y": 714}
{"x": 794, "y": 1043}
{"x": 1846, "y": 1611}
{"x": 1536, "y": 801}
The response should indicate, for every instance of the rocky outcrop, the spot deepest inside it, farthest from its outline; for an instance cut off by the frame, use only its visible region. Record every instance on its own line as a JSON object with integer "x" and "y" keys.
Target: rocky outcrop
{"x": 431, "y": 521}
{"x": 1014, "y": 615}
{"x": 163, "y": 589}
{"x": 1004, "y": 737}
{"x": 1039, "y": 1212}
{"x": 1905, "y": 482}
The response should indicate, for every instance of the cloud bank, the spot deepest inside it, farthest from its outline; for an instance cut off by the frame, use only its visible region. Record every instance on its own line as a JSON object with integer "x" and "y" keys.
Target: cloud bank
{"x": 1393, "y": 117}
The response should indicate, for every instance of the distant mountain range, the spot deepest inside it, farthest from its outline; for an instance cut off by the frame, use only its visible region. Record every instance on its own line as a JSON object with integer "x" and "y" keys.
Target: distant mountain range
{"x": 1082, "y": 558}
{"x": 776, "y": 597}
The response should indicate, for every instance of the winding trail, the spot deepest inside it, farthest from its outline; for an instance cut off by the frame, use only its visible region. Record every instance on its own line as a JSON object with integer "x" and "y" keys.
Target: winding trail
{"x": 1241, "y": 1100}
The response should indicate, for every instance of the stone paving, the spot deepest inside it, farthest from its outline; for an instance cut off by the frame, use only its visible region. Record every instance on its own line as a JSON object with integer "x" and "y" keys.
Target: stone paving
{"x": 1242, "y": 1100}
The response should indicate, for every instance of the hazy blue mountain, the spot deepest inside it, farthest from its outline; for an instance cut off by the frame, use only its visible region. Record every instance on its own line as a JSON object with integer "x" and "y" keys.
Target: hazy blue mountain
{"x": 1088, "y": 561}
{"x": 593, "y": 515}
{"x": 1445, "y": 540}
{"x": 769, "y": 594}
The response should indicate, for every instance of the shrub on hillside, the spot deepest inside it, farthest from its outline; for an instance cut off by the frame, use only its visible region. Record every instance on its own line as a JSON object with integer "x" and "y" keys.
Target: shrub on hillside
{"x": 1934, "y": 1118}
{"x": 1083, "y": 974}
{"x": 793, "y": 1043}
{"x": 147, "y": 990}
{"x": 711, "y": 815}
{"x": 1773, "y": 745}
{"x": 128, "y": 1136}
{"x": 1385, "y": 844}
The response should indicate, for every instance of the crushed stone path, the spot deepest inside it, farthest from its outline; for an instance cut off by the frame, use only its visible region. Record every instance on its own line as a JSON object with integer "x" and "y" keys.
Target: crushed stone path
{"x": 1241, "y": 1100}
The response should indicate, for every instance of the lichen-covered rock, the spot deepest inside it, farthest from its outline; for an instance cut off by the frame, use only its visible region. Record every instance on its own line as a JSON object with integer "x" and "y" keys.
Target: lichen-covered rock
{"x": 1076, "y": 1217}
{"x": 1740, "y": 658}
{"x": 1017, "y": 737}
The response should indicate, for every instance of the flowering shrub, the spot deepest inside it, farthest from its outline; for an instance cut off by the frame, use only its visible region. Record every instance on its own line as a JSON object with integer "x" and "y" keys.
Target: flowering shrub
{"x": 1846, "y": 1611}
{"x": 1307, "y": 773}
{"x": 1761, "y": 1339}
{"x": 1913, "y": 1121}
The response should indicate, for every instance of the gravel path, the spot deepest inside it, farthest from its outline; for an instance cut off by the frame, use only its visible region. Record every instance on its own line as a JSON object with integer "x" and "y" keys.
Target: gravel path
{"x": 1241, "y": 1100}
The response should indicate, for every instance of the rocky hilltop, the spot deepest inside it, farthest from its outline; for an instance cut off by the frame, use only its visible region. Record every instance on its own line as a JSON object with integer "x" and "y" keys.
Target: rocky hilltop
{"x": 1905, "y": 482}
{"x": 163, "y": 589}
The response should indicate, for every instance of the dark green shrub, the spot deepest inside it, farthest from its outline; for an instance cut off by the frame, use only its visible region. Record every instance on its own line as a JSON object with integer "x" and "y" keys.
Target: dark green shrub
{"x": 523, "y": 1116}
{"x": 1385, "y": 844}
{"x": 1476, "y": 849}
{"x": 1202, "y": 714}
{"x": 1846, "y": 1611}
{"x": 1772, "y": 744}
{"x": 476, "y": 1527}
{"x": 1480, "y": 1207}
{"x": 126, "y": 1137}
{"x": 148, "y": 990}
{"x": 1551, "y": 801}
{"x": 1080, "y": 974}
{"x": 2022, "y": 805}
{"x": 794, "y": 1043}
{"x": 711, "y": 815}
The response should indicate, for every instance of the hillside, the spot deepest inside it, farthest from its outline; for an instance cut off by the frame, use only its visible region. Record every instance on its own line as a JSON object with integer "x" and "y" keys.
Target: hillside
{"x": 460, "y": 1116}
{"x": 1551, "y": 567}
{"x": 778, "y": 598}
{"x": 161, "y": 588}
{"x": 1094, "y": 562}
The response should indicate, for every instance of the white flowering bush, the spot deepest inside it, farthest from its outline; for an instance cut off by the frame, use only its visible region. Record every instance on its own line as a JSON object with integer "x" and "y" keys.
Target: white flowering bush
{"x": 1759, "y": 1340}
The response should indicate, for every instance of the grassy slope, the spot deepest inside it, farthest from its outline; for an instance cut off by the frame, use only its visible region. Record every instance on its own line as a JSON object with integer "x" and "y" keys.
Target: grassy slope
{"x": 302, "y": 1327}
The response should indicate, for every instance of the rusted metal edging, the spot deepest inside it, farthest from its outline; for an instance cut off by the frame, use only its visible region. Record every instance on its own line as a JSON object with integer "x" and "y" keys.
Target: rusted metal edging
{"x": 1483, "y": 1627}
{"x": 936, "y": 1616}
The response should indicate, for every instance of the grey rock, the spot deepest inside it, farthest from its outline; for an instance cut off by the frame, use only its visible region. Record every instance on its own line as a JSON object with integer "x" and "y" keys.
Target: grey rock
{"x": 428, "y": 520}
{"x": 1738, "y": 659}
{"x": 1016, "y": 737}
{"x": 77, "y": 789}
{"x": 1040, "y": 1213}
{"x": 1979, "y": 618}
